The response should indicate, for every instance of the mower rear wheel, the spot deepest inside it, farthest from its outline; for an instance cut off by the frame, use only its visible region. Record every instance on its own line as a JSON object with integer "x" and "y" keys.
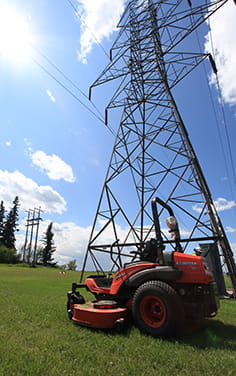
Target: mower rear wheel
{"x": 155, "y": 308}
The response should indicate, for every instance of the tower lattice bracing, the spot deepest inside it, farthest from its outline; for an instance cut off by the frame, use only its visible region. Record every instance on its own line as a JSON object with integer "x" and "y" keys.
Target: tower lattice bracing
{"x": 152, "y": 154}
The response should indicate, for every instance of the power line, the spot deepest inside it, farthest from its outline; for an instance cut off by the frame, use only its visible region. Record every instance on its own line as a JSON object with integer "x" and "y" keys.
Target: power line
{"x": 223, "y": 113}
{"x": 66, "y": 88}
{"x": 59, "y": 70}
{"x": 226, "y": 130}
{"x": 65, "y": 76}
{"x": 100, "y": 118}
{"x": 98, "y": 43}
{"x": 86, "y": 25}
{"x": 222, "y": 109}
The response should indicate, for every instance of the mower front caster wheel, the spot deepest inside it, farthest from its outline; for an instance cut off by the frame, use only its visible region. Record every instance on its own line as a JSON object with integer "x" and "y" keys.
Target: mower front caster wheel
{"x": 73, "y": 298}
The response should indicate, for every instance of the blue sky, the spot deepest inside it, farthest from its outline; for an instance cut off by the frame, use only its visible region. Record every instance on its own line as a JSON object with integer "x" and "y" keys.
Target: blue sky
{"x": 54, "y": 151}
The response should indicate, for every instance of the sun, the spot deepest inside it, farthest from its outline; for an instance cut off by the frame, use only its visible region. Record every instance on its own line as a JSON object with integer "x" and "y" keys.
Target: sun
{"x": 15, "y": 36}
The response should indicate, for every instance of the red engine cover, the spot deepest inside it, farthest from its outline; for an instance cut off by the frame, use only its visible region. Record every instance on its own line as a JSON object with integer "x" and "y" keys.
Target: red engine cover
{"x": 195, "y": 268}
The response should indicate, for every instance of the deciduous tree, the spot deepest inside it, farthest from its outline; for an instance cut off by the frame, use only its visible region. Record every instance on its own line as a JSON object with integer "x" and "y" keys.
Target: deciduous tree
{"x": 71, "y": 265}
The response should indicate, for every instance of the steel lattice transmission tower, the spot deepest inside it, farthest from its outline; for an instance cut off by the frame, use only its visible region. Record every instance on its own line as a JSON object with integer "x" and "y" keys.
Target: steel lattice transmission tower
{"x": 152, "y": 154}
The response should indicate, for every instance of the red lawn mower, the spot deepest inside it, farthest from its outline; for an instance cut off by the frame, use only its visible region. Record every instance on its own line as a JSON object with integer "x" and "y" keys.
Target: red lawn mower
{"x": 158, "y": 290}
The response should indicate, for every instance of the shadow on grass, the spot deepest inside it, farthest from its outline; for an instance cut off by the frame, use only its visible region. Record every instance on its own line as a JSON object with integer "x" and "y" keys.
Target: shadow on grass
{"x": 214, "y": 334}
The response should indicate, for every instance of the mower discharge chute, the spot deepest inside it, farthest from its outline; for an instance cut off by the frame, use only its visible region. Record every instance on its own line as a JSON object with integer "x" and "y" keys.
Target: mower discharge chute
{"x": 159, "y": 291}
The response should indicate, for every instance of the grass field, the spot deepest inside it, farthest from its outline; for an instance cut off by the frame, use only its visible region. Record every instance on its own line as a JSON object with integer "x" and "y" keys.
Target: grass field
{"x": 36, "y": 337}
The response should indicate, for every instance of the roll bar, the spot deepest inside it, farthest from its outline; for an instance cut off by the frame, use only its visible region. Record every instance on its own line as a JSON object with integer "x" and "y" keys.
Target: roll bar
{"x": 174, "y": 230}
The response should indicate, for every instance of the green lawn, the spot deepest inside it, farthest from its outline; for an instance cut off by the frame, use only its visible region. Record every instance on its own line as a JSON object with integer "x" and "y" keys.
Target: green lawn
{"x": 36, "y": 337}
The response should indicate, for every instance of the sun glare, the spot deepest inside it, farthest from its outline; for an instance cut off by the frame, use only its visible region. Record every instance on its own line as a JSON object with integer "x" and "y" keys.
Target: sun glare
{"x": 15, "y": 36}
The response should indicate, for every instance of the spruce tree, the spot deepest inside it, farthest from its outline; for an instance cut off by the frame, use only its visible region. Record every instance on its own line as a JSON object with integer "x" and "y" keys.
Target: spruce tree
{"x": 10, "y": 225}
{"x": 48, "y": 248}
{"x": 2, "y": 217}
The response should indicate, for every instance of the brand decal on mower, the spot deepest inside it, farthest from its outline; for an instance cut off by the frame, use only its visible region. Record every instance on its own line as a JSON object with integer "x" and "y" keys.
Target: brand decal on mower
{"x": 186, "y": 263}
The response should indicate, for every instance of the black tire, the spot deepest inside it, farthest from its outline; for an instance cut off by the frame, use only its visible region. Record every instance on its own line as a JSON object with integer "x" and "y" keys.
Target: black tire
{"x": 156, "y": 309}
{"x": 73, "y": 298}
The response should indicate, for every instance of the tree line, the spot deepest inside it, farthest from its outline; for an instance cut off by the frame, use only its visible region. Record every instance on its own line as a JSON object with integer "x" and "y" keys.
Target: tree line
{"x": 8, "y": 228}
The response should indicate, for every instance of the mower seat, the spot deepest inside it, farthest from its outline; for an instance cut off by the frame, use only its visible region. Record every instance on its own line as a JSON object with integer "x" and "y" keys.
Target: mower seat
{"x": 101, "y": 280}
{"x": 150, "y": 251}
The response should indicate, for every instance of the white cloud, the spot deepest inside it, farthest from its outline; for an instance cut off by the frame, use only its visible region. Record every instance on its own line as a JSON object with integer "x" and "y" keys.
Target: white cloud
{"x": 222, "y": 25}
{"x": 197, "y": 208}
{"x": 8, "y": 143}
{"x": 220, "y": 205}
{"x": 76, "y": 247}
{"x": 223, "y": 204}
{"x": 50, "y": 95}
{"x": 30, "y": 193}
{"x": 28, "y": 144}
{"x": 100, "y": 20}
{"x": 53, "y": 166}
{"x": 71, "y": 240}
{"x": 230, "y": 229}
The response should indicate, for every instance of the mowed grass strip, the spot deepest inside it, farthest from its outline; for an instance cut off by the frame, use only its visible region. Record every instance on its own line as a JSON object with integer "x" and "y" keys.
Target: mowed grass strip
{"x": 36, "y": 337}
